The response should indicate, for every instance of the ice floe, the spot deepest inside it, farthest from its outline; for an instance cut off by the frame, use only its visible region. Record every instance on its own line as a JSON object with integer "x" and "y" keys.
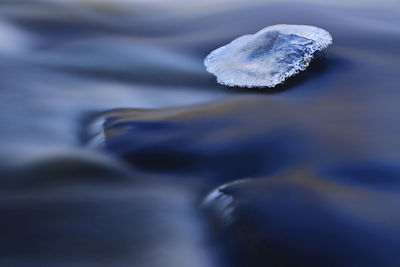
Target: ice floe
{"x": 268, "y": 57}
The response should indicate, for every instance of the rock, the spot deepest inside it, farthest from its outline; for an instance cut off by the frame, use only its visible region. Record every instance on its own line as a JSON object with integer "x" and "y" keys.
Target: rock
{"x": 268, "y": 57}
{"x": 305, "y": 218}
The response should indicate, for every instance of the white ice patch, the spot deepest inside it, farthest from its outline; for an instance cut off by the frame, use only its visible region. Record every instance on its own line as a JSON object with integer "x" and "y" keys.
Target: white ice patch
{"x": 268, "y": 57}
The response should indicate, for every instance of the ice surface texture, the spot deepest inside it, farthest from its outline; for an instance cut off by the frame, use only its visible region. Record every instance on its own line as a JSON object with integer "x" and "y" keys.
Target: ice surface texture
{"x": 268, "y": 57}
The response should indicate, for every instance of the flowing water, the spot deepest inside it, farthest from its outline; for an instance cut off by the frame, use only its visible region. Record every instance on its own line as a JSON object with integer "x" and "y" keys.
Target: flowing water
{"x": 113, "y": 133}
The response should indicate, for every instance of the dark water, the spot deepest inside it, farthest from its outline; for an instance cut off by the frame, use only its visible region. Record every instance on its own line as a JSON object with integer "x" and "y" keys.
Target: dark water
{"x": 113, "y": 134}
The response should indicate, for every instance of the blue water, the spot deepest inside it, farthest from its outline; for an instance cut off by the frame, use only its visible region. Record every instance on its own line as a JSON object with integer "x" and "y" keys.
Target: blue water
{"x": 113, "y": 133}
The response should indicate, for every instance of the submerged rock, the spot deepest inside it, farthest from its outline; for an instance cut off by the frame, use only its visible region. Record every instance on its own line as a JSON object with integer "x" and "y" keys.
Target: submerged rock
{"x": 268, "y": 57}
{"x": 304, "y": 217}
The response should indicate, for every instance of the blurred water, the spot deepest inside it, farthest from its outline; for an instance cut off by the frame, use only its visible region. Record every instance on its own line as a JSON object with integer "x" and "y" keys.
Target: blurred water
{"x": 63, "y": 59}
{"x": 107, "y": 114}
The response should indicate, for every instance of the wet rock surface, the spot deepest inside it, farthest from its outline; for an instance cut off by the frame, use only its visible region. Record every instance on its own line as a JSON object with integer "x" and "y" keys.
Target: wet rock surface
{"x": 303, "y": 219}
{"x": 229, "y": 140}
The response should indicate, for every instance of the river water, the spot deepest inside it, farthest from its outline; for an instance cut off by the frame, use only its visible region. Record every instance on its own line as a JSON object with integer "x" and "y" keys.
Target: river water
{"x": 113, "y": 134}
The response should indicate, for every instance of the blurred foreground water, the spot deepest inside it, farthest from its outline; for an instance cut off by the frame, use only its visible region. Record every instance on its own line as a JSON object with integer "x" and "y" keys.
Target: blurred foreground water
{"x": 113, "y": 134}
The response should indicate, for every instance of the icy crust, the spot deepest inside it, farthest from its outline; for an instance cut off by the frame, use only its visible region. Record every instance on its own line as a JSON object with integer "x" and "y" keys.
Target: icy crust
{"x": 268, "y": 57}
